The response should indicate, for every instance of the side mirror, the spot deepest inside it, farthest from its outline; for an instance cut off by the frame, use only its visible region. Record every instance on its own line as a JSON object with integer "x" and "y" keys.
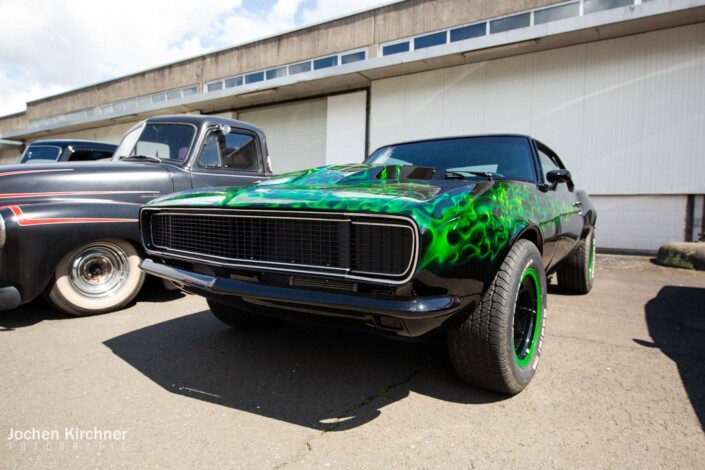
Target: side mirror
{"x": 224, "y": 129}
{"x": 558, "y": 176}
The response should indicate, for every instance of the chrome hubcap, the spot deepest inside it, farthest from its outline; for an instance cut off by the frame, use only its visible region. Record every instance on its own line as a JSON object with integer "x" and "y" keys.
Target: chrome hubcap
{"x": 98, "y": 270}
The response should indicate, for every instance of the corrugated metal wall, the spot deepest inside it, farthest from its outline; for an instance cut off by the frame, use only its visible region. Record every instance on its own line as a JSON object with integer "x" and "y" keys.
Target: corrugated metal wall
{"x": 626, "y": 115}
{"x": 296, "y": 133}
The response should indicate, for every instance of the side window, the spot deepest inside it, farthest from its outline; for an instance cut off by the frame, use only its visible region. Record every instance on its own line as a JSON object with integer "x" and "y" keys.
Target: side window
{"x": 547, "y": 163}
{"x": 236, "y": 151}
{"x": 210, "y": 157}
{"x": 241, "y": 152}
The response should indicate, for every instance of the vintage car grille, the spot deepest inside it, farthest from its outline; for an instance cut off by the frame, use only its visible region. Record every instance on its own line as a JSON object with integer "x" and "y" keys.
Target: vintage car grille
{"x": 341, "y": 244}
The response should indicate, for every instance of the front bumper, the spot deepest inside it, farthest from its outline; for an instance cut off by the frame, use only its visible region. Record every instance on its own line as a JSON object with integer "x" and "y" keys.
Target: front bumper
{"x": 419, "y": 315}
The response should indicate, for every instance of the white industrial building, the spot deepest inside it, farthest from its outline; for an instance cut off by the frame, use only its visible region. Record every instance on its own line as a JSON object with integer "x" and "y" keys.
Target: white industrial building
{"x": 615, "y": 87}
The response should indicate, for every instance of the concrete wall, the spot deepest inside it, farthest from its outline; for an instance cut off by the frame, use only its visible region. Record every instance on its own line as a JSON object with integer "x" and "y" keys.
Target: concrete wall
{"x": 8, "y": 157}
{"x": 417, "y": 16}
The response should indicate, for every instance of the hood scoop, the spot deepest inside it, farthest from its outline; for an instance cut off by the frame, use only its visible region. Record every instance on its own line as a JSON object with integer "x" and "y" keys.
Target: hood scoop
{"x": 391, "y": 174}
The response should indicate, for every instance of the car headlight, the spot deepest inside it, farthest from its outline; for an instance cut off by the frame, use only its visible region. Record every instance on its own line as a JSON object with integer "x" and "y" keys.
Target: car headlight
{"x": 2, "y": 231}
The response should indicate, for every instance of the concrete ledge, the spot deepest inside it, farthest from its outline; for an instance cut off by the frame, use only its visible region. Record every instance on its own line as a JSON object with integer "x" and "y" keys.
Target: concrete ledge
{"x": 682, "y": 255}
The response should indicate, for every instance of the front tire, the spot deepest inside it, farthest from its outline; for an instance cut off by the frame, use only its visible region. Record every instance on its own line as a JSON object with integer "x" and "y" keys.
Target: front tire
{"x": 499, "y": 345}
{"x": 98, "y": 277}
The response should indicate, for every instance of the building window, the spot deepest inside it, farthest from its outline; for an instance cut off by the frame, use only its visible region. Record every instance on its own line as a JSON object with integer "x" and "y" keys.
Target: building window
{"x": 510, "y": 22}
{"x": 190, "y": 91}
{"x": 468, "y": 32}
{"x": 254, "y": 77}
{"x": 560, "y": 12}
{"x": 299, "y": 68}
{"x": 592, "y": 6}
{"x": 276, "y": 73}
{"x": 395, "y": 48}
{"x": 325, "y": 62}
{"x": 352, "y": 57}
{"x": 430, "y": 40}
{"x": 233, "y": 82}
{"x": 215, "y": 86}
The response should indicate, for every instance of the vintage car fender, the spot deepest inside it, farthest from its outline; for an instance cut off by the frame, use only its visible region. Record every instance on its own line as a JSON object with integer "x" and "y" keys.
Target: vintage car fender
{"x": 39, "y": 235}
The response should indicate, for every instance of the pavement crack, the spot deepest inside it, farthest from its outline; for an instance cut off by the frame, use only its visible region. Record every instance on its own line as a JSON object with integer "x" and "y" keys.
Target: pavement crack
{"x": 379, "y": 393}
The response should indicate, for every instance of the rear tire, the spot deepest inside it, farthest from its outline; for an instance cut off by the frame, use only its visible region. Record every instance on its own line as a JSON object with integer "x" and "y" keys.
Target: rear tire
{"x": 239, "y": 317}
{"x": 98, "y": 277}
{"x": 577, "y": 273}
{"x": 499, "y": 345}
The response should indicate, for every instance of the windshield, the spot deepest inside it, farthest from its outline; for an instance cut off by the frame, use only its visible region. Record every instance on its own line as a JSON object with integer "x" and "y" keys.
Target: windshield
{"x": 40, "y": 153}
{"x": 504, "y": 157}
{"x": 165, "y": 141}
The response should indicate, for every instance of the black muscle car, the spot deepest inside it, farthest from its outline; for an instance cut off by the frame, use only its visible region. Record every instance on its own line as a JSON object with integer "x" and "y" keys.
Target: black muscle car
{"x": 70, "y": 230}
{"x": 453, "y": 235}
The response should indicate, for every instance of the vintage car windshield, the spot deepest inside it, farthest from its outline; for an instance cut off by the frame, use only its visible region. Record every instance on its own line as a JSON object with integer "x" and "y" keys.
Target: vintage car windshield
{"x": 504, "y": 157}
{"x": 168, "y": 142}
{"x": 41, "y": 154}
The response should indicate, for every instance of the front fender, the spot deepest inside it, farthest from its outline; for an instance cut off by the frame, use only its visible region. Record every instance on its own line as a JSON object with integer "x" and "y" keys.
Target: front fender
{"x": 589, "y": 213}
{"x": 39, "y": 235}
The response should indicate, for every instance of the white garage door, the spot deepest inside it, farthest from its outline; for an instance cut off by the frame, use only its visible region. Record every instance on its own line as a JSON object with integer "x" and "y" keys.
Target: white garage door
{"x": 296, "y": 133}
{"x": 626, "y": 115}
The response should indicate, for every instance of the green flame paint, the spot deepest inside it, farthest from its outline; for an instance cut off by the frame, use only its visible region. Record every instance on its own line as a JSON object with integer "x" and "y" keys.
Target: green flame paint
{"x": 467, "y": 223}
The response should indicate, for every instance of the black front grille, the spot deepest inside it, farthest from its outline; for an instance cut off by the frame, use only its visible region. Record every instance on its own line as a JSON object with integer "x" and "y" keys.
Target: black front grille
{"x": 376, "y": 247}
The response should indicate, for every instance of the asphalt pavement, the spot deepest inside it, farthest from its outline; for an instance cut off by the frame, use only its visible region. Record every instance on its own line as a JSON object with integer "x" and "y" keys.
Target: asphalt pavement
{"x": 163, "y": 384}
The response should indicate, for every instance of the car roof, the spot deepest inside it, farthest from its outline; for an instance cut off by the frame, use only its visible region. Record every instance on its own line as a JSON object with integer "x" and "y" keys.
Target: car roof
{"x": 203, "y": 121}
{"x": 63, "y": 143}
{"x": 453, "y": 137}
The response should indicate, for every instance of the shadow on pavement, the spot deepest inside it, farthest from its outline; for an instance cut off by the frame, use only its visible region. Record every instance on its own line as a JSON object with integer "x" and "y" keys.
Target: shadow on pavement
{"x": 28, "y": 314}
{"x": 39, "y": 310}
{"x": 325, "y": 379}
{"x": 676, "y": 322}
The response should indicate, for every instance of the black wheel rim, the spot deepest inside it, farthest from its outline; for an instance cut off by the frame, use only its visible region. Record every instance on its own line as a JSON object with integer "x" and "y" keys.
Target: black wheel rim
{"x": 527, "y": 317}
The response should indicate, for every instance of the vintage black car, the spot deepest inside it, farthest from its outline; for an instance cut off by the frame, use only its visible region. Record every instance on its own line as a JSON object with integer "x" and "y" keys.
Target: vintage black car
{"x": 452, "y": 235}
{"x": 67, "y": 150}
{"x": 70, "y": 230}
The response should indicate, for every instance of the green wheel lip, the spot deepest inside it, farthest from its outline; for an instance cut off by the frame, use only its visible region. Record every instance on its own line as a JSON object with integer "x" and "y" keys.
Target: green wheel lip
{"x": 531, "y": 272}
{"x": 591, "y": 260}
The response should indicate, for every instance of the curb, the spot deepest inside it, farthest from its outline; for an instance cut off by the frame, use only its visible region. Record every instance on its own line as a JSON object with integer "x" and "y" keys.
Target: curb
{"x": 682, "y": 255}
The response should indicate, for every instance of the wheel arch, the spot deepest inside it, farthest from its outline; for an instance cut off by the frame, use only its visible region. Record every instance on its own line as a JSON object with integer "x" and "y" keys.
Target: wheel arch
{"x": 530, "y": 233}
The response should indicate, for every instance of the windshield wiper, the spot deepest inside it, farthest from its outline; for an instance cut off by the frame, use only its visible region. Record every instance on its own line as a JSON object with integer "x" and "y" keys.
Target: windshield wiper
{"x": 146, "y": 158}
{"x": 461, "y": 174}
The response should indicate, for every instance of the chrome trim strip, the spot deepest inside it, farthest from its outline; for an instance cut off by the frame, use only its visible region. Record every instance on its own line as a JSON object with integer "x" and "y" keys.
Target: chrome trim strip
{"x": 256, "y": 262}
{"x": 319, "y": 270}
{"x": 264, "y": 217}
